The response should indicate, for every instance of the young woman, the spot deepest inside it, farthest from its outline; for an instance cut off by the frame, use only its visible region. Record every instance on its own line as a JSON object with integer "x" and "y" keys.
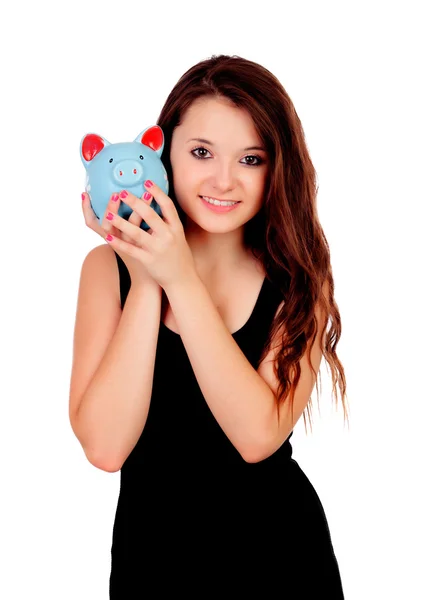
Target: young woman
{"x": 197, "y": 346}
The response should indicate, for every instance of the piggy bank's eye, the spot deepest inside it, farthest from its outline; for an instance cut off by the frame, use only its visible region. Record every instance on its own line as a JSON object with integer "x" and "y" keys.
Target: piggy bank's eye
{"x": 142, "y": 157}
{"x": 111, "y": 159}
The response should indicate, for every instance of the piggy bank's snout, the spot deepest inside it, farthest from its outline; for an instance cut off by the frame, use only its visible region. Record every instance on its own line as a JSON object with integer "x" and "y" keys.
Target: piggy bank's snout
{"x": 128, "y": 172}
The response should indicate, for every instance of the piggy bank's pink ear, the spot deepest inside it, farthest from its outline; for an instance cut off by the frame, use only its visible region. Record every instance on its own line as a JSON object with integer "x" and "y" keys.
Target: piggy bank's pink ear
{"x": 92, "y": 144}
{"x": 153, "y": 137}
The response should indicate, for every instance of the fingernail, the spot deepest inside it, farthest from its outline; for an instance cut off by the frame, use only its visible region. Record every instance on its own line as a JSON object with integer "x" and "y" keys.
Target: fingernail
{"x": 83, "y": 197}
{"x": 123, "y": 194}
{"x": 147, "y": 196}
{"x": 148, "y": 183}
{"x": 114, "y": 197}
{"x": 109, "y": 216}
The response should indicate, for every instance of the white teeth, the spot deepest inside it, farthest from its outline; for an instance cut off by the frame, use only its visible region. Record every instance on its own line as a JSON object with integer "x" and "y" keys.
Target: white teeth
{"x": 217, "y": 202}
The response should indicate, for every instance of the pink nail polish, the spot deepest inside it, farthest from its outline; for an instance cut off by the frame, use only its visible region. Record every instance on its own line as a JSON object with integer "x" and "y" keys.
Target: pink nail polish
{"x": 109, "y": 216}
{"x": 114, "y": 197}
{"x": 147, "y": 196}
{"x": 83, "y": 197}
{"x": 123, "y": 194}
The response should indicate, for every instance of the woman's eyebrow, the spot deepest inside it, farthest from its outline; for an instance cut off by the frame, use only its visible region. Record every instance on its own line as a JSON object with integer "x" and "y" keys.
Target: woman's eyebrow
{"x": 204, "y": 141}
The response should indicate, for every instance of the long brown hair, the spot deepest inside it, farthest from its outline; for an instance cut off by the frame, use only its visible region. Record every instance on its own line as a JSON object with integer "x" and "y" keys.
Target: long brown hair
{"x": 285, "y": 235}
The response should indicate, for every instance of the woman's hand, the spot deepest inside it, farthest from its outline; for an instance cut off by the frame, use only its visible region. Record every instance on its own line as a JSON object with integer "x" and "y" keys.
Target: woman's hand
{"x": 137, "y": 272}
{"x": 164, "y": 253}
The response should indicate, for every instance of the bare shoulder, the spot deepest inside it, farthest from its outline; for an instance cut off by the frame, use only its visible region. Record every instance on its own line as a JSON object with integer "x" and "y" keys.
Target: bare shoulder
{"x": 101, "y": 263}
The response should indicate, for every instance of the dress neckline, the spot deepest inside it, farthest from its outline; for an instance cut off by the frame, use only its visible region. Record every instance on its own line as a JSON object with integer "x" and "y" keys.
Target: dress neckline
{"x": 239, "y": 331}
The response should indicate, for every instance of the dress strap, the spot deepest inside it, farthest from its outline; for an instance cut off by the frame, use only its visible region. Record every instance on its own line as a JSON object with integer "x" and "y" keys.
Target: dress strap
{"x": 124, "y": 278}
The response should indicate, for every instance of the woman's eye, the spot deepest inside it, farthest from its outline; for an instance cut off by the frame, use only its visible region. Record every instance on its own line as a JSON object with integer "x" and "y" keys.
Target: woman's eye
{"x": 257, "y": 158}
{"x": 198, "y": 149}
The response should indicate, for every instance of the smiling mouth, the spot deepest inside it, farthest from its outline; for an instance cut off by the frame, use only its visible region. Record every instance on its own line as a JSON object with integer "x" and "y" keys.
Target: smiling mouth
{"x": 220, "y": 200}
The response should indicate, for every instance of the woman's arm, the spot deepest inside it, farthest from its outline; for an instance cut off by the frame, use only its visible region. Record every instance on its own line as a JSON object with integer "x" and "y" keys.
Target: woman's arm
{"x": 109, "y": 416}
{"x": 239, "y": 398}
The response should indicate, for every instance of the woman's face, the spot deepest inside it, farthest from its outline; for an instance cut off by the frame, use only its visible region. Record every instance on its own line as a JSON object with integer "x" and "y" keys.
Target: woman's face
{"x": 224, "y": 166}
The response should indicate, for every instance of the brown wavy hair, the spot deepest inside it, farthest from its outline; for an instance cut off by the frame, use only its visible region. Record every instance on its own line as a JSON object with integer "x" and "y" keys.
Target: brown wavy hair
{"x": 285, "y": 235}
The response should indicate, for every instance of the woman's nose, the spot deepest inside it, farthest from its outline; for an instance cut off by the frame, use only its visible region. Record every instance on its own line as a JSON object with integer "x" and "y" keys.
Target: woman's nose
{"x": 224, "y": 176}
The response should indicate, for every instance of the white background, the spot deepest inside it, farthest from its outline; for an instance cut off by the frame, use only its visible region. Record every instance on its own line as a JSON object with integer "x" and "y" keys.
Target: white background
{"x": 362, "y": 79}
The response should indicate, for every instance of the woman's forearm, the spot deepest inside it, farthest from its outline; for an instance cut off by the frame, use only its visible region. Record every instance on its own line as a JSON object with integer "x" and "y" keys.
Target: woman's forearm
{"x": 239, "y": 398}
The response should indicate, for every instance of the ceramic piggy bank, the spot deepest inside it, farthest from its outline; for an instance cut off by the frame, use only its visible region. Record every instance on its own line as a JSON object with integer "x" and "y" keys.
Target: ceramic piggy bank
{"x": 112, "y": 168}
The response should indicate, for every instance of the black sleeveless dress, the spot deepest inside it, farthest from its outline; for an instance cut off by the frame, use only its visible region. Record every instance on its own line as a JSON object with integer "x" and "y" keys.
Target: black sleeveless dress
{"x": 193, "y": 516}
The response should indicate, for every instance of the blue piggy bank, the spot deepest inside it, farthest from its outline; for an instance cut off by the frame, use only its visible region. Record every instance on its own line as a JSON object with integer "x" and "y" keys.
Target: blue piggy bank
{"x": 127, "y": 165}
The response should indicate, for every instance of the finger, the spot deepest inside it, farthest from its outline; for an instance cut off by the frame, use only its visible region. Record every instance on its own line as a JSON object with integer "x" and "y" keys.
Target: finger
{"x": 166, "y": 204}
{"x": 136, "y": 220}
{"x": 109, "y": 225}
{"x": 91, "y": 219}
{"x": 135, "y": 235}
{"x": 143, "y": 208}
{"x": 112, "y": 207}
{"x": 126, "y": 247}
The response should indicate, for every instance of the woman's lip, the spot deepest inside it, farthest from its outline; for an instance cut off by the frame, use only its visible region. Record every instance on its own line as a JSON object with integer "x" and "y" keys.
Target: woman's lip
{"x": 220, "y": 199}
